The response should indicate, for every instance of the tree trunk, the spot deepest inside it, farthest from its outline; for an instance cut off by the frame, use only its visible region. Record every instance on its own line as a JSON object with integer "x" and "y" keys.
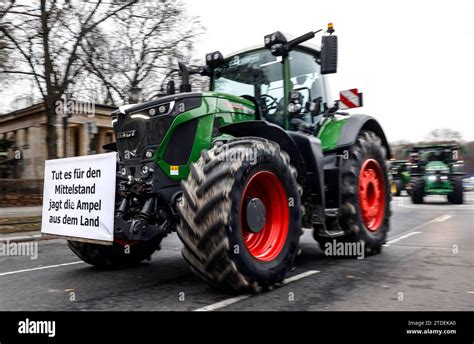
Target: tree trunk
{"x": 51, "y": 90}
{"x": 52, "y": 133}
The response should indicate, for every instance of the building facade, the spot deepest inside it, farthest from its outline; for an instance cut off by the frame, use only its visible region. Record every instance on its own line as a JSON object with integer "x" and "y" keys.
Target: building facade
{"x": 26, "y": 131}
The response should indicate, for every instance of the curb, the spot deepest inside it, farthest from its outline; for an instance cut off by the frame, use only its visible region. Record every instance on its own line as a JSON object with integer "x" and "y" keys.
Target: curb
{"x": 22, "y": 238}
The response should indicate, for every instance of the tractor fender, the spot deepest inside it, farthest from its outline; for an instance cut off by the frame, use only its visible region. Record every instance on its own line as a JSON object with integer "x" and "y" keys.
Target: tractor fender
{"x": 267, "y": 131}
{"x": 354, "y": 125}
{"x": 305, "y": 154}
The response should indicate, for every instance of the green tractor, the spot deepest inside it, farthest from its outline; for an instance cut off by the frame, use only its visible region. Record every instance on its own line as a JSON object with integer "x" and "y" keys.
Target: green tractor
{"x": 436, "y": 169}
{"x": 240, "y": 170}
{"x": 400, "y": 176}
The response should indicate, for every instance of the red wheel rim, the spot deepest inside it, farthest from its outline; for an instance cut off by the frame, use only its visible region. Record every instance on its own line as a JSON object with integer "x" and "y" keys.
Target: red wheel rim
{"x": 372, "y": 194}
{"x": 268, "y": 243}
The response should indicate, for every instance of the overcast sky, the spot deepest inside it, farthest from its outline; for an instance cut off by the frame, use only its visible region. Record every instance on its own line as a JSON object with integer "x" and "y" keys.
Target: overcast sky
{"x": 413, "y": 60}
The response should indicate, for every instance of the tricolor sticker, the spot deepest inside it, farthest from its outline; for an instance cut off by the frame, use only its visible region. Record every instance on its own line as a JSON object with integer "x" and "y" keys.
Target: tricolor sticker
{"x": 174, "y": 170}
{"x": 350, "y": 99}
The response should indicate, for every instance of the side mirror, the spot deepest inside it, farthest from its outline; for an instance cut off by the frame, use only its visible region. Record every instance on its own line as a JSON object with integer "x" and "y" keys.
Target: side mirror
{"x": 328, "y": 55}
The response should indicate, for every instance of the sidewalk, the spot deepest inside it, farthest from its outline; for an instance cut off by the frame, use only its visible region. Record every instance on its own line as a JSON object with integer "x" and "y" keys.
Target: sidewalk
{"x": 20, "y": 211}
{"x": 21, "y": 237}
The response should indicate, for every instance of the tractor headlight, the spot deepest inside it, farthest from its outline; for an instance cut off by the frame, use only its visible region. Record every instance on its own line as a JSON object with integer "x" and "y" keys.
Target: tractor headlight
{"x": 432, "y": 178}
{"x": 144, "y": 169}
{"x": 214, "y": 59}
{"x": 274, "y": 38}
{"x": 444, "y": 177}
{"x": 123, "y": 171}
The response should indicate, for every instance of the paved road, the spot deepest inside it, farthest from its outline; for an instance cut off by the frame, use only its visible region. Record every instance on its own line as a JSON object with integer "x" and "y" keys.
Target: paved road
{"x": 427, "y": 265}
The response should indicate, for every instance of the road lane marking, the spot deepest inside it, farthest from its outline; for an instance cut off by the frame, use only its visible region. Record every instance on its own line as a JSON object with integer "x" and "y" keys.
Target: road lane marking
{"x": 232, "y": 300}
{"x": 414, "y": 229}
{"x": 401, "y": 238}
{"x": 444, "y": 218}
{"x": 222, "y": 304}
{"x": 299, "y": 276}
{"x": 39, "y": 268}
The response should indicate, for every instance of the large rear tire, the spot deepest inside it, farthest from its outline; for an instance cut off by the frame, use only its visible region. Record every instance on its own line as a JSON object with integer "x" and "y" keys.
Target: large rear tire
{"x": 417, "y": 190}
{"x": 365, "y": 192}
{"x": 121, "y": 253}
{"x": 229, "y": 241}
{"x": 457, "y": 196}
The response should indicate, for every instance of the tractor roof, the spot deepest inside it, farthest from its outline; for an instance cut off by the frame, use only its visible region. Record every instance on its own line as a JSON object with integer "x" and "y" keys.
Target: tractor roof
{"x": 315, "y": 48}
{"x": 434, "y": 146}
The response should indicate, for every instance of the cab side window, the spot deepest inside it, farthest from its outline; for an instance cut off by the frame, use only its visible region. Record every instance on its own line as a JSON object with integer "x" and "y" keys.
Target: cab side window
{"x": 305, "y": 75}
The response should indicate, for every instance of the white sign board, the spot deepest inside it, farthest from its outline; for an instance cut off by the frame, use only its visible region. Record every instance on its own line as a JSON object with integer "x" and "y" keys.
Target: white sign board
{"x": 79, "y": 198}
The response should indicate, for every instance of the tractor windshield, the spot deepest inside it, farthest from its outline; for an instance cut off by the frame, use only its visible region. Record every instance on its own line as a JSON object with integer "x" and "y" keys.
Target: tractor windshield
{"x": 258, "y": 74}
{"x": 445, "y": 155}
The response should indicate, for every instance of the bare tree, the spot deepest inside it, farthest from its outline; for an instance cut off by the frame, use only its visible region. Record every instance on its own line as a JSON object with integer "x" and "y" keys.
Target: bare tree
{"x": 4, "y": 48}
{"x": 444, "y": 134}
{"x": 3, "y": 55}
{"x": 47, "y": 39}
{"x": 147, "y": 42}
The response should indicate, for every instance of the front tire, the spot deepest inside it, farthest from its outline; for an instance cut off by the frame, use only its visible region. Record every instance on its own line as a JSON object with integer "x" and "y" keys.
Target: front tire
{"x": 224, "y": 245}
{"x": 396, "y": 187}
{"x": 417, "y": 190}
{"x": 457, "y": 196}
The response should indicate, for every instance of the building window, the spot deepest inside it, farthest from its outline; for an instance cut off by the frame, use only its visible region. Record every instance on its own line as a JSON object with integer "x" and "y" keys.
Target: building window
{"x": 109, "y": 137}
{"x": 26, "y": 138}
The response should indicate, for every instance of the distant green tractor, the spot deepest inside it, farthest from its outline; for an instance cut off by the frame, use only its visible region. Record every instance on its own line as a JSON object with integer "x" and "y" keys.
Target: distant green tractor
{"x": 400, "y": 176}
{"x": 240, "y": 170}
{"x": 436, "y": 169}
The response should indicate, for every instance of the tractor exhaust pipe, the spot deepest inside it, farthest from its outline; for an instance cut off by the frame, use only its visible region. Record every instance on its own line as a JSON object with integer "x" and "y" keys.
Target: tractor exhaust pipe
{"x": 184, "y": 72}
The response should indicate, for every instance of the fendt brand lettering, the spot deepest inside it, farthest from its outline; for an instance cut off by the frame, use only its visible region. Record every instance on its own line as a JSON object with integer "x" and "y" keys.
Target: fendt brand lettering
{"x": 125, "y": 134}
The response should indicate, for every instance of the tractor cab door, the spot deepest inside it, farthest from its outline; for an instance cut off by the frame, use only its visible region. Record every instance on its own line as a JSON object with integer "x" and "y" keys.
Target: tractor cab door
{"x": 305, "y": 86}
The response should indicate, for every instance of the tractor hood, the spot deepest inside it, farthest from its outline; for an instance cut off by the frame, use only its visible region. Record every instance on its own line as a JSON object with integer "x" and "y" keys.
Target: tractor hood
{"x": 143, "y": 126}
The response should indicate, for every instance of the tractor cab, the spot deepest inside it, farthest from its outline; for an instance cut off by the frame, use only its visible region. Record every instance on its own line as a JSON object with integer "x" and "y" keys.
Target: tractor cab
{"x": 287, "y": 89}
{"x": 284, "y": 79}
